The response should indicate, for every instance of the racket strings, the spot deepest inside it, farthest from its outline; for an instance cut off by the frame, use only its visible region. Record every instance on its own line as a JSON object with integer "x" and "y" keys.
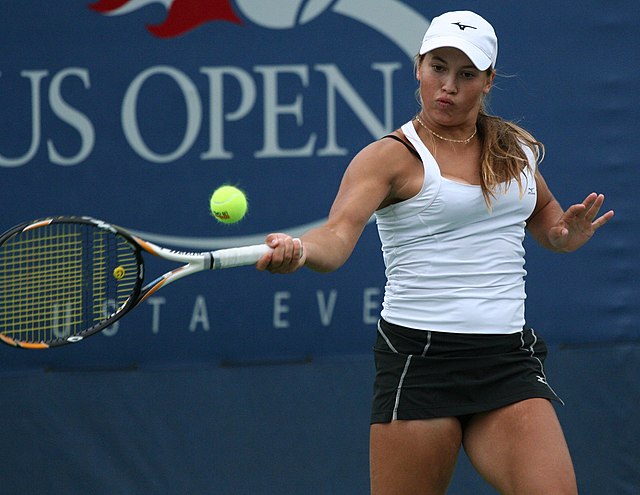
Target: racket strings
{"x": 61, "y": 279}
{"x": 30, "y": 275}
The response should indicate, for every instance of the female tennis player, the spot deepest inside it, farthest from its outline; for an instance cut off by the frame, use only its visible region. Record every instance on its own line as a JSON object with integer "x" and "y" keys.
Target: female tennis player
{"x": 452, "y": 191}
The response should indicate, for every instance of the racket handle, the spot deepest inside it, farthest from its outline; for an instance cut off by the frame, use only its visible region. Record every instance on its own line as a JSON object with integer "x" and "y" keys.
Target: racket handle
{"x": 240, "y": 256}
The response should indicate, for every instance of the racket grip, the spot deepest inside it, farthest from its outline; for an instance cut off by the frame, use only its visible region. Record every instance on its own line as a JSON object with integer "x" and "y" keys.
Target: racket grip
{"x": 240, "y": 256}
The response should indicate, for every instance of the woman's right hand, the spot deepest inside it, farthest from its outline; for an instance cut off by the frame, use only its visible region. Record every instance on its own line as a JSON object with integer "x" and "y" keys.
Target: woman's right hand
{"x": 287, "y": 255}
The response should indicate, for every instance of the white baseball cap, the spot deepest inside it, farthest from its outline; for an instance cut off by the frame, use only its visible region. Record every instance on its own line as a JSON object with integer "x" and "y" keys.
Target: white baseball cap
{"x": 466, "y": 31}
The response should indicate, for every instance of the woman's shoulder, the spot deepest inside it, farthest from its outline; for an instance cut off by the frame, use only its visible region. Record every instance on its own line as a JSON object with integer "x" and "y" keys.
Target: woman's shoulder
{"x": 390, "y": 161}
{"x": 399, "y": 137}
{"x": 391, "y": 151}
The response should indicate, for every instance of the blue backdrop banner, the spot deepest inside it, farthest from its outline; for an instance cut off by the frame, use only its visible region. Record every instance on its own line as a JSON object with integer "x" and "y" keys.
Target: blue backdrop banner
{"x": 133, "y": 111}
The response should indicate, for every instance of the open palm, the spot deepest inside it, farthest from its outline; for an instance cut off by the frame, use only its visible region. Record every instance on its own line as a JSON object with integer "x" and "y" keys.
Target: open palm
{"x": 578, "y": 224}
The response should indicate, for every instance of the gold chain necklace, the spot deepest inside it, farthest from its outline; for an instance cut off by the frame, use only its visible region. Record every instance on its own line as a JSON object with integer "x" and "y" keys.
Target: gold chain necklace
{"x": 462, "y": 141}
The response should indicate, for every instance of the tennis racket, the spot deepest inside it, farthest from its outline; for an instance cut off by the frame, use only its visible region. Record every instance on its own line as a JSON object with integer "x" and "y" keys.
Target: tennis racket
{"x": 59, "y": 276}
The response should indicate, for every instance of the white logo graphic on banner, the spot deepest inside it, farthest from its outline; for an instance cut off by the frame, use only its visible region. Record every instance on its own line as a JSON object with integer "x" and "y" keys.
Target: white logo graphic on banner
{"x": 392, "y": 18}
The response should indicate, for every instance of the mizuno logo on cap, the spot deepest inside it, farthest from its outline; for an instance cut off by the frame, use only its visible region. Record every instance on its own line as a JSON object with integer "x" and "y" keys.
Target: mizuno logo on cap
{"x": 463, "y": 26}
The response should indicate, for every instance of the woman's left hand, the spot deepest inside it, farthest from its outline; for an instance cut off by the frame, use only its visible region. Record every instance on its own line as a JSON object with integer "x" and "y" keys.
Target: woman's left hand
{"x": 578, "y": 224}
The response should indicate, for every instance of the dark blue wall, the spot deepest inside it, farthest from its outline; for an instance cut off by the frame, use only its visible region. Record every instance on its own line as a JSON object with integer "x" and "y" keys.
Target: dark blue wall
{"x": 266, "y": 379}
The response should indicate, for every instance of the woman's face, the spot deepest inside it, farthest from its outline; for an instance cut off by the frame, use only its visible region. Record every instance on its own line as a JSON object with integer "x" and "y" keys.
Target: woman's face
{"x": 451, "y": 87}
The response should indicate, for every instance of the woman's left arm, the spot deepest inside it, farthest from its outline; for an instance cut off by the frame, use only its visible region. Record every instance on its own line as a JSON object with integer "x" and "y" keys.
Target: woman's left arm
{"x": 565, "y": 231}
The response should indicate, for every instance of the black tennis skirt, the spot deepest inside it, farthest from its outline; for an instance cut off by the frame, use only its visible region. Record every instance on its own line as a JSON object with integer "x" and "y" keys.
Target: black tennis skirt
{"x": 423, "y": 374}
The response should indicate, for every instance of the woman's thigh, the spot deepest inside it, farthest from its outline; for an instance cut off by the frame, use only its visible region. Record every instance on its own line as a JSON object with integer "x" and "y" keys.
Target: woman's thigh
{"x": 521, "y": 449}
{"x": 414, "y": 457}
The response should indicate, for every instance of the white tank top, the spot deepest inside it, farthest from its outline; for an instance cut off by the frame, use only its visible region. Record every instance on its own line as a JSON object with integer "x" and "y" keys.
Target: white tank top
{"x": 452, "y": 264}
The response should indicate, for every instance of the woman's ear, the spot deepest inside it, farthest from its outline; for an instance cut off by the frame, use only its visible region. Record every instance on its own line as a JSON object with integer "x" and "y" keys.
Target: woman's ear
{"x": 417, "y": 66}
{"x": 487, "y": 87}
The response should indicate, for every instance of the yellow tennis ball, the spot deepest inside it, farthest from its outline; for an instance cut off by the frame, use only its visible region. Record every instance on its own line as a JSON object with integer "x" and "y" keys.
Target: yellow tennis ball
{"x": 228, "y": 204}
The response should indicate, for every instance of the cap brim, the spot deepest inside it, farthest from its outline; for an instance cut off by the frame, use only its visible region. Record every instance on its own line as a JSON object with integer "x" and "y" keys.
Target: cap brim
{"x": 477, "y": 56}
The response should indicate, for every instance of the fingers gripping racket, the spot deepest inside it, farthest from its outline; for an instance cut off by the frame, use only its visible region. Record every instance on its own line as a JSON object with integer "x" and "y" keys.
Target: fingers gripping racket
{"x": 61, "y": 277}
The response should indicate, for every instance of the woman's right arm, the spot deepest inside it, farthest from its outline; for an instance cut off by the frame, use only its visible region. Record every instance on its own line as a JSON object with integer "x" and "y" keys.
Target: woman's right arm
{"x": 370, "y": 179}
